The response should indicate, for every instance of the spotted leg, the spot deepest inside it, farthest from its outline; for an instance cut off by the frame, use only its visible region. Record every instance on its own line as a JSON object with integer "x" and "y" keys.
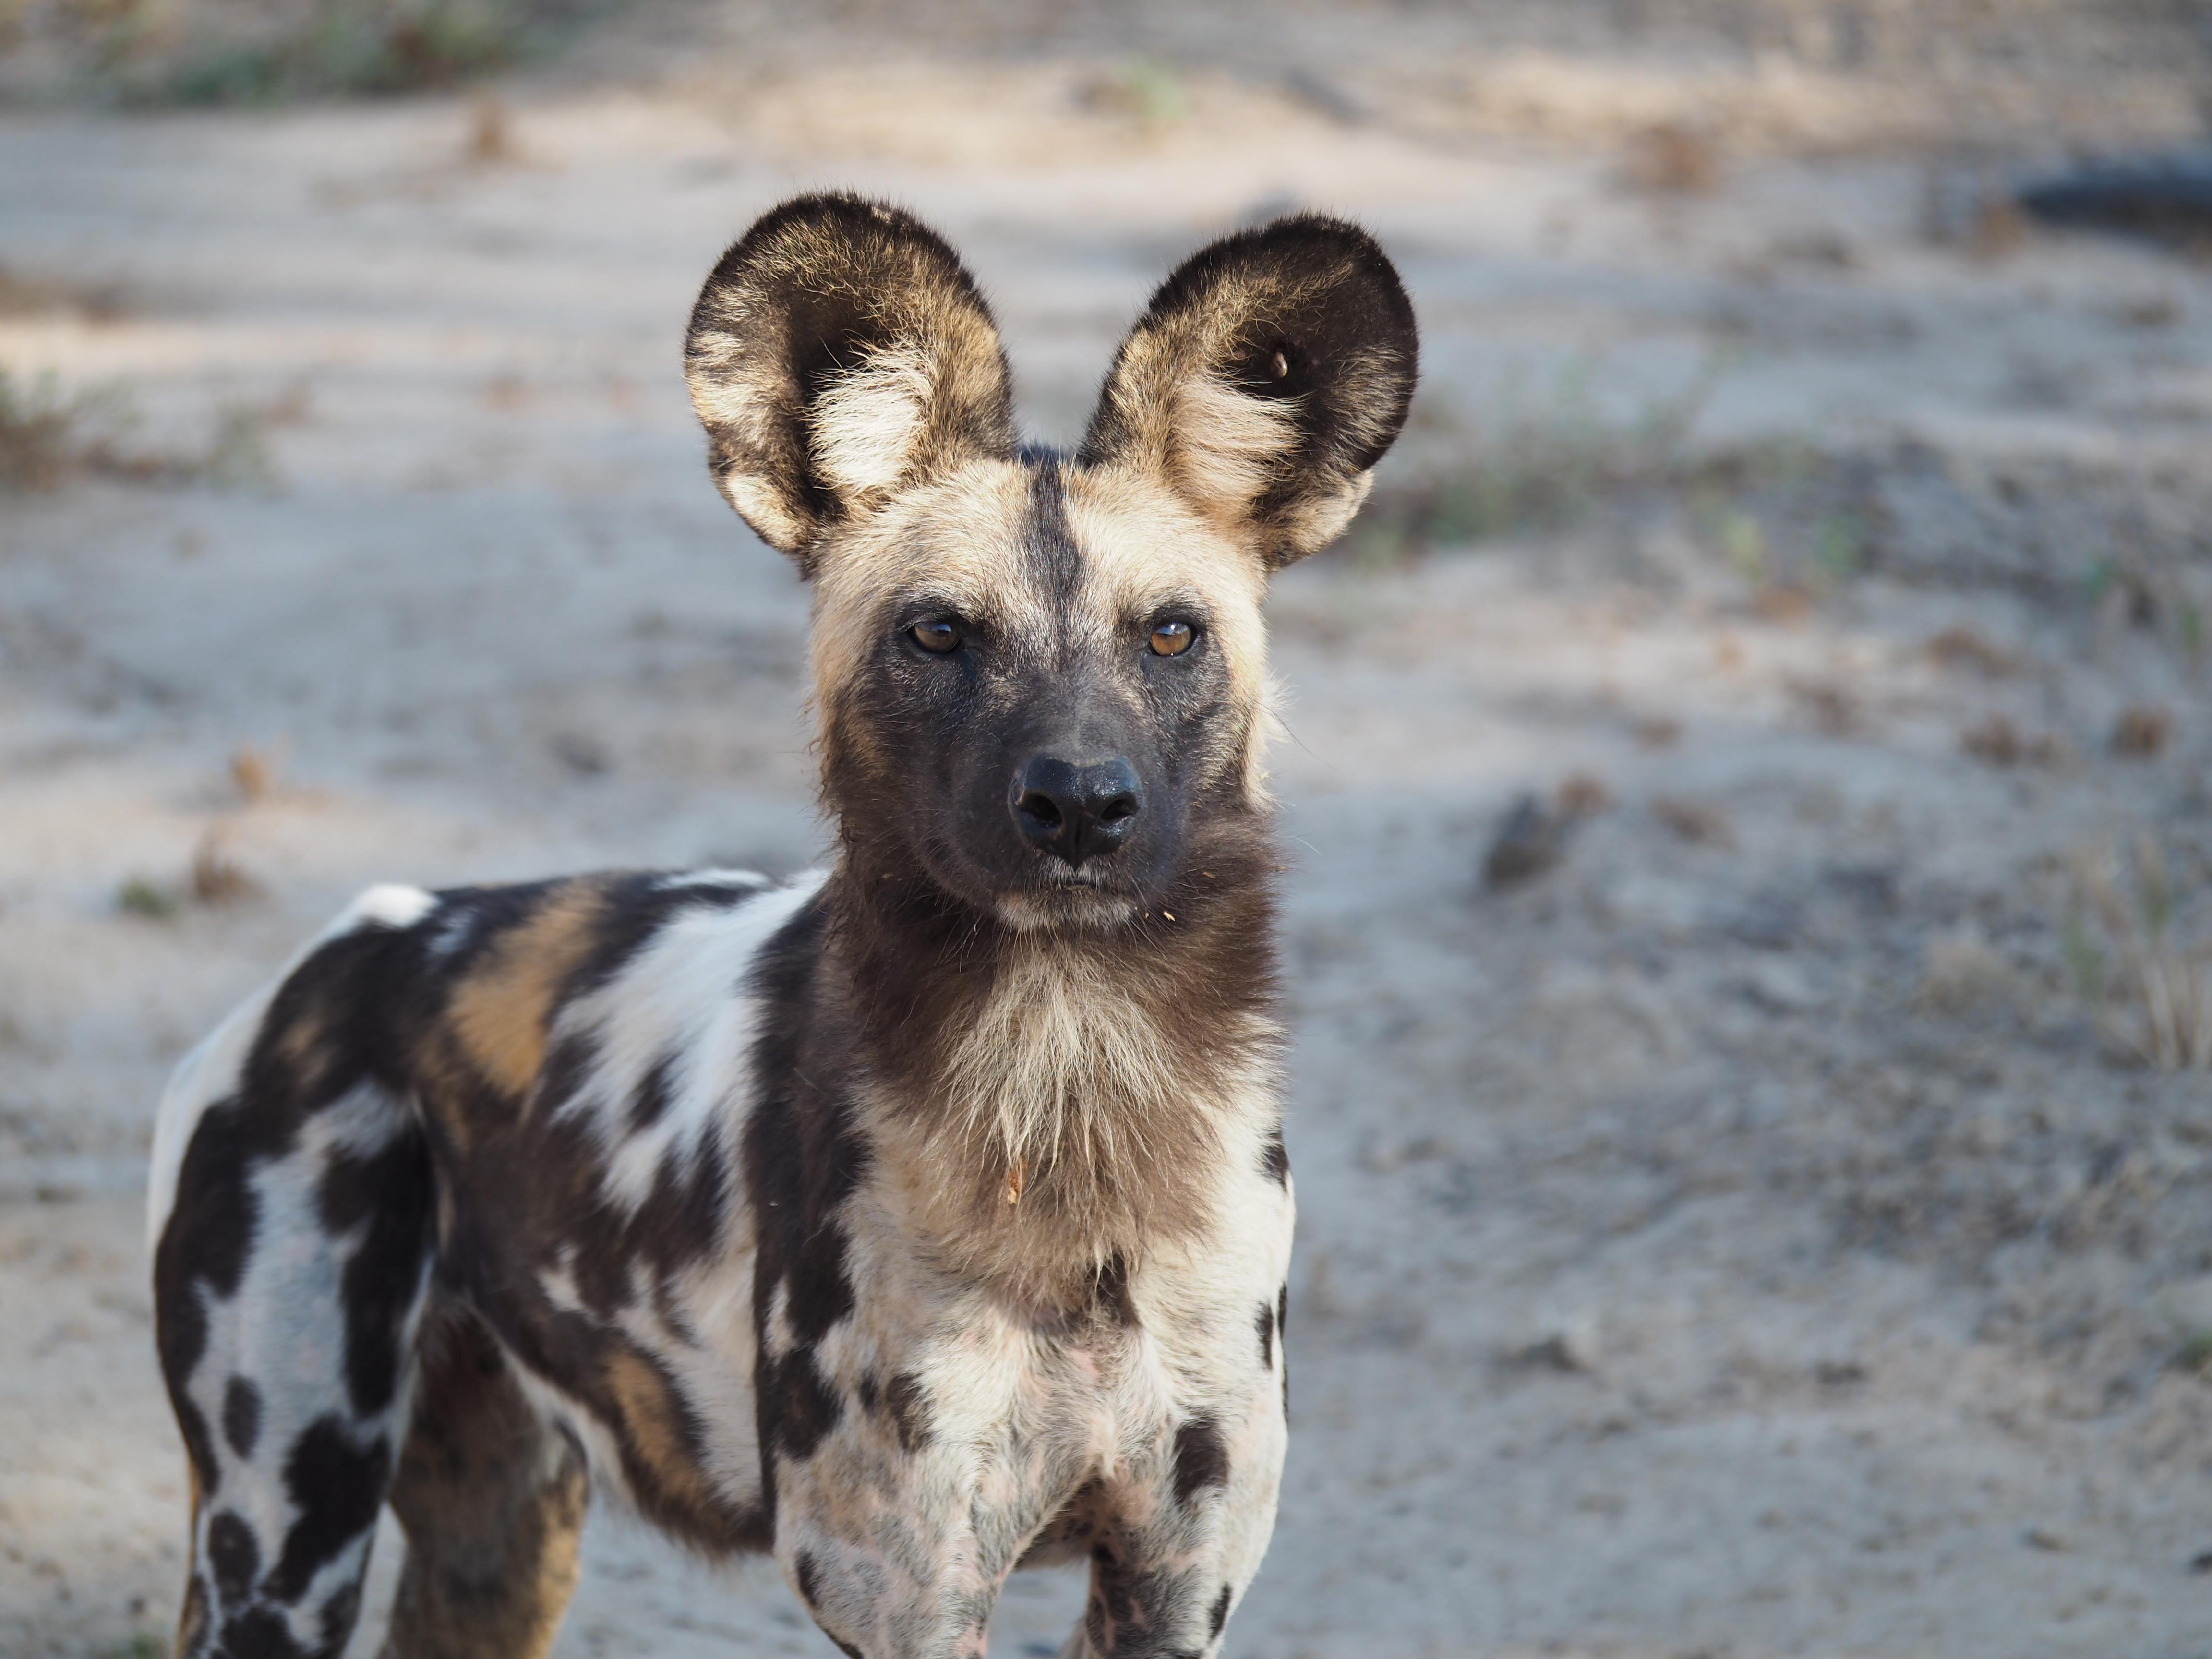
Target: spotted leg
{"x": 288, "y": 1278}
{"x": 1165, "y": 1574}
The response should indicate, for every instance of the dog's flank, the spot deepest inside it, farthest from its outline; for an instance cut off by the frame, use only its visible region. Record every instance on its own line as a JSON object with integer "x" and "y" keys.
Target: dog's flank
{"x": 916, "y": 1220}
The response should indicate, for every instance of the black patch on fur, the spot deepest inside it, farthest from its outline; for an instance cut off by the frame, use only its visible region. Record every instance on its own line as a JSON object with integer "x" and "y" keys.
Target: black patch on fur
{"x": 1282, "y": 1336}
{"x": 1111, "y": 1595}
{"x": 1275, "y": 1161}
{"x": 260, "y": 1633}
{"x": 650, "y": 1100}
{"x": 818, "y": 1293}
{"x": 241, "y": 1415}
{"x": 233, "y": 1555}
{"x": 1201, "y": 1458}
{"x": 802, "y": 1567}
{"x": 202, "y": 1256}
{"x": 337, "y": 1488}
{"x": 1113, "y": 1295}
{"x": 1052, "y": 542}
{"x": 801, "y": 1160}
{"x": 330, "y": 1027}
{"x": 1265, "y": 1326}
{"x": 338, "y": 1615}
{"x": 798, "y": 1404}
{"x": 567, "y": 1067}
{"x": 388, "y": 1195}
{"x": 1220, "y": 1616}
{"x": 634, "y": 907}
{"x": 909, "y": 1409}
{"x": 845, "y": 1647}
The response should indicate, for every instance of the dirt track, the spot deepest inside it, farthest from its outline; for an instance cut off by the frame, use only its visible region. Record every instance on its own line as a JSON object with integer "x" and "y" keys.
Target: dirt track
{"x": 1738, "y": 1238}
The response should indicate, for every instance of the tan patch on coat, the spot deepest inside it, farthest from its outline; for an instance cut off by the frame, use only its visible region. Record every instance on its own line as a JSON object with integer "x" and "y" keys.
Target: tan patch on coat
{"x": 653, "y": 1427}
{"x": 502, "y": 1010}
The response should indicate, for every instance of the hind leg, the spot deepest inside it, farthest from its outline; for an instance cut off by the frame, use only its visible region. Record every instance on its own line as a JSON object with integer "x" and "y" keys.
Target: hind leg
{"x": 288, "y": 1279}
{"x": 492, "y": 1500}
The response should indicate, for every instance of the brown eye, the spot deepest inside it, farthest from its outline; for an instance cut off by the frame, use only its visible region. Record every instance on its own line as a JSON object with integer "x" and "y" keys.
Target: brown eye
{"x": 1171, "y": 639}
{"x": 938, "y": 634}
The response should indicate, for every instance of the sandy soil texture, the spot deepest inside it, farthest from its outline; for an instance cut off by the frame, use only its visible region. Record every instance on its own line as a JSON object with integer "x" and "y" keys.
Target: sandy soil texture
{"x": 1754, "y": 1224}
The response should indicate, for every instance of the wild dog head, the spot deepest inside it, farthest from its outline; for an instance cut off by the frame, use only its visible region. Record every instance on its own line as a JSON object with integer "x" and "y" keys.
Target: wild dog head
{"x": 1041, "y": 679}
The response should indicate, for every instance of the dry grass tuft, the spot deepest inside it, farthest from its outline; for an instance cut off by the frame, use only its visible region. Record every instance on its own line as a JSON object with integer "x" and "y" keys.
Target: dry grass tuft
{"x": 491, "y": 140}
{"x": 46, "y": 436}
{"x": 1147, "y": 93}
{"x": 139, "y": 897}
{"x": 214, "y": 879}
{"x": 23, "y": 295}
{"x": 337, "y": 46}
{"x": 2141, "y": 733}
{"x": 1694, "y": 821}
{"x": 2149, "y": 987}
{"x": 1962, "y": 647}
{"x": 1960, "y": 974}
{"x": 254, "y": 772}
{"x": 216, "y": 876}
{"x": 1582, "y": 796}
{"x": 1834, "y": 710}
{"x": 1533, "y": 459}
{"x": 1673, "y": 159}
{"x": 1999, "y": 742}
{"x": 49, "y": 437}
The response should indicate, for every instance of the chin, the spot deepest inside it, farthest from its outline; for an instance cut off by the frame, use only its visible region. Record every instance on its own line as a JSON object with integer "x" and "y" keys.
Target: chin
{"x": 1064, "y": 904}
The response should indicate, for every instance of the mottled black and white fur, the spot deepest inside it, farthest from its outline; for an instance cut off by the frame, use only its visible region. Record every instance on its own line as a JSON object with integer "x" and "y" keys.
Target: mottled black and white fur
{"x": 913, "y": 1221}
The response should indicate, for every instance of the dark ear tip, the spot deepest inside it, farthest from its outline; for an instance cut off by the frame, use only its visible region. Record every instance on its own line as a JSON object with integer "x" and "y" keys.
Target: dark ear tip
{"x": 840, "y": 207}
{"x": 1303, "y": 247}
{"x": 843, "y": 211}
{"x": 1354, "y": 244}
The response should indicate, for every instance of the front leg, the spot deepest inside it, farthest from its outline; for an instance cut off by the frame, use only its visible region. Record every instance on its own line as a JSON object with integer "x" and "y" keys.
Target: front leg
{"x": 882, "y": 1527}
{"x": 1179, "y": 1549}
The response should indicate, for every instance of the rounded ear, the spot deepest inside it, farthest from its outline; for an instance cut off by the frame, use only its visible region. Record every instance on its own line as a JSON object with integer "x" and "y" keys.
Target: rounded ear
{"x": 1268, "y": 375}
{"x": 839, "y": 352}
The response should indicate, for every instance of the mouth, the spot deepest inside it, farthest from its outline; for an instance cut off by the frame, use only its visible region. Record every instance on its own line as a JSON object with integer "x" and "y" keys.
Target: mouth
{"x": 1051, "y": 893}
{"x": 1078, "y": 901}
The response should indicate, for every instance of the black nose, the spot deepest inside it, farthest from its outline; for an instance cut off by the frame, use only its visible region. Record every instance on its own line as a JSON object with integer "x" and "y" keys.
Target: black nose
{"x": 1076, "y": 810}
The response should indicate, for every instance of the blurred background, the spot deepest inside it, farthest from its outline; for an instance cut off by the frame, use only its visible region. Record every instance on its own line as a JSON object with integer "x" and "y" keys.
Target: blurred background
{"x": 1746, "y": 770}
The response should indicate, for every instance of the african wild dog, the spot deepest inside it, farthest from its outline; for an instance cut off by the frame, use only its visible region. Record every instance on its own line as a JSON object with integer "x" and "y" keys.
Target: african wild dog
{"x": 914, "y": 1221}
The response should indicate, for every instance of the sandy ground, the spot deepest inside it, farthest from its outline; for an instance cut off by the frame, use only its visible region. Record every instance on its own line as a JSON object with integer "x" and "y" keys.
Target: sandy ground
{"x": 1741, "y": 1239}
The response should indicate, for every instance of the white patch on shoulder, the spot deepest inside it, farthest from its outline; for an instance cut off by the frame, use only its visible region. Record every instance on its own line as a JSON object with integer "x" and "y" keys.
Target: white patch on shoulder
{"x": 212, "y": 1069}
{"x": 678, "y": 1010}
